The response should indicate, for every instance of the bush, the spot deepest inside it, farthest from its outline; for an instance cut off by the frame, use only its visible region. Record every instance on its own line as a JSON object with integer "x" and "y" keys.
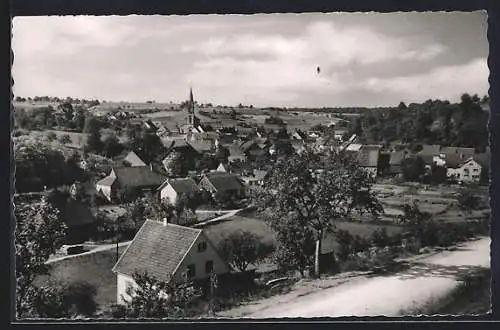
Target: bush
{"x": 51, "y": 136}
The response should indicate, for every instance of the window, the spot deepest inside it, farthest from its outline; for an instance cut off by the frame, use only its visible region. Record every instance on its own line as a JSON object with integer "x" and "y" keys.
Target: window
{"x": 475, "y": 170}
{"x": 209, "y": 266}
{"x": 202, "y": 246}
{"x": 191, "y": 271}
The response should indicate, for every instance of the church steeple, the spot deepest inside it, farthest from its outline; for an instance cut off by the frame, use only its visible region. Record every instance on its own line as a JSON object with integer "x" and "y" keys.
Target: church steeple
{"x": 191, "y": 101}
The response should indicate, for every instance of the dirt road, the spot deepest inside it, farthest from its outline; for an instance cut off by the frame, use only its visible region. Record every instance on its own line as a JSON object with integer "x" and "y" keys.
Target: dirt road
{"x": 430, "y": 277}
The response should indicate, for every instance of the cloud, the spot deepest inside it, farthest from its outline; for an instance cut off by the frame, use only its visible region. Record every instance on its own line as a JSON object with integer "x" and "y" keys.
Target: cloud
{"x": 321, "y": 42}
{"x": 257, "y": 59}
{"x": 448, "y": 82}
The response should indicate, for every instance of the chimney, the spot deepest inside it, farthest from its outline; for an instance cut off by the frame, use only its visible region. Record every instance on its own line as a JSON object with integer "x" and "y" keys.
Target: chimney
{"x": 165, "y": 221}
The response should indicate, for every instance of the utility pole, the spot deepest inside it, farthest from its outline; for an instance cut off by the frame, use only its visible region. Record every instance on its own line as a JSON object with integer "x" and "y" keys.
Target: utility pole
{"x": 213, "y": 286}
{"x": 117, "y": 232}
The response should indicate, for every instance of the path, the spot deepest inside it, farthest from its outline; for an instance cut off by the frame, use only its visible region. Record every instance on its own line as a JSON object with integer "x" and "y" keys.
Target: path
{"x": 428, "y": 278}
{"x": 98, "y": 248}
{"x": 217, "y": 219}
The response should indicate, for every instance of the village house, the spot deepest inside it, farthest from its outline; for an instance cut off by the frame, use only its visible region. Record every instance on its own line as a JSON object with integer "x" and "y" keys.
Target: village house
{"x": 179, "y": 148}
{"x": 236, "y": 154}
{"x": 223, "y": 167}
{"x": 222, "y": 185}
{"x": 130, "y": 159}
{"x": 255, "y": 179}
{"x": 167, "y": 252}
{"x": 171, "y": 189}
{"x": 395, "y": 161}
{"x": 299, "y": 135}
{"x": 202, "y": 146}
{"x": 467, "y": 170}
{"x": 368, "y": 157}
{"x": 140, "y": 178}
{"x": 150, "y": 126}
{"x": 162, "y": 131}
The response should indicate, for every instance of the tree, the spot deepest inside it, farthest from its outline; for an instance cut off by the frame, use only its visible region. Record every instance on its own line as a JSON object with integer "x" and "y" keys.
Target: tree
{"x": 51, "y": 136}
{"x": 93, "y": 129}
{"x": 63, "y": 300}
{"x": 413, "y": 168}
{"x": 420, "y": 224}
{"x": 78, "y": 120}
{"x": 438, "y": 174}
{"x": 154, "y": 298}
{"x": 222, "y": 154}
{"x": 309, "y": 192}
{"x": 65, "y": 139}
{"x": 38, "y": 165}
{"x": 39, "y": 233}
{"x": 193, "y": 200}
{"x": 111, "y": 146}
{"x": 467, "y": 200}
{"x": 242, "y": 248}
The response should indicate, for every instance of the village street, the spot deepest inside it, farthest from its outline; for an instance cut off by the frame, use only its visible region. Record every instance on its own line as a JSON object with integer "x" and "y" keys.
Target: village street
{"x": 429, "y": 277}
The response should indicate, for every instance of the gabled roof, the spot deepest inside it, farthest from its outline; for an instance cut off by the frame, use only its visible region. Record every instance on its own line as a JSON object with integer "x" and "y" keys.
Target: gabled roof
{"x": 354, "y": 147}
{"x": 458, "y": 150}
{"x": 133, "y": 159}
{"x": 455, "y": 161}
{"x": 181, "y": 186}
{"x": 235, "y": 150}
{"x": 223, "y": 181}
{"x": 397, "y": 157}
{"x": 157, "y": 249}
{"x": 106, "y": 181}
{"x": 245, "y": 146}
{"x": 138, "y": 176}
{"x": 202, "y": 145}
{"x": 430, "y": 149}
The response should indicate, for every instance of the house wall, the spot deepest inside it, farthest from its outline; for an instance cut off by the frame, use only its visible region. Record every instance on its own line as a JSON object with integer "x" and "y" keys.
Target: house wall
{"x": 168, "y": 193}
{"x": 240, "y": 158}
{"x": 221, "y": 168}
{"x": 468, "y": 172}
{"x": 199, "y": 259}
{"x": 122, "y": 283}
{"x": 106, "y": 191}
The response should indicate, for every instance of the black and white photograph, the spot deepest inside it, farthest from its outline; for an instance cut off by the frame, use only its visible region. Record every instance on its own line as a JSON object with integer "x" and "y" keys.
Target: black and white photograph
{"x": 264, "y": 166}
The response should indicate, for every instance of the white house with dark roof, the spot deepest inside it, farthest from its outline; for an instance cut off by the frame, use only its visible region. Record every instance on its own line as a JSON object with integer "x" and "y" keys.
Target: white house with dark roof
{"x": 141, "y": 178}
{"x": 171, "y": 189}
{"x": 167, "y": 252}
{"x": 468, "y": 170}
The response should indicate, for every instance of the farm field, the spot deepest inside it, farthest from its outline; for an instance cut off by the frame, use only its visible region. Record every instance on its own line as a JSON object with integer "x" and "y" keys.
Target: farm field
{"x": 33, "y": 105}
{"x": 78, "y": 140}
{"x": 133, "y": 106}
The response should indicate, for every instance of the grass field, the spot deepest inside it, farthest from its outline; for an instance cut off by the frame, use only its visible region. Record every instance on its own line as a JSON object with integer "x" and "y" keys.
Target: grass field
{"x": 94, "y": 269}
{"x": 217, "y": 231}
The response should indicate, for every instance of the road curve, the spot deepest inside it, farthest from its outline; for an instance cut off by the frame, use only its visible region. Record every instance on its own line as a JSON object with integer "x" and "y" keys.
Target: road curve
{"x": 430, "y": 277}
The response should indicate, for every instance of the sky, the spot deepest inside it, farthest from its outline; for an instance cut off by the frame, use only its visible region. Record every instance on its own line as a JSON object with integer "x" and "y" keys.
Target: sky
{"x": 365, "y": 59}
